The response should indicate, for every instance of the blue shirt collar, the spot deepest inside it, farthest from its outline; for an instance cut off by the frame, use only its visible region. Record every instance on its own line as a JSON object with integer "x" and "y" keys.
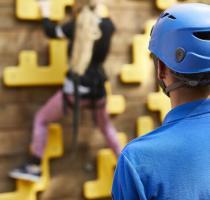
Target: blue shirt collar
{"x": 186, "y": 110}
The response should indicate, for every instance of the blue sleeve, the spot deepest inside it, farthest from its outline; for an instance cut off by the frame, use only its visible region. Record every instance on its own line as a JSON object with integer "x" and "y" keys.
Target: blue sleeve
{"x": 127, "y": 184}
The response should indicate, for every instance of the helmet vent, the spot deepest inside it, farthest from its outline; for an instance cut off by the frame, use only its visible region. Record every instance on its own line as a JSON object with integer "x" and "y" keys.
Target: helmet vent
{"x": 202, "y": 35}
{"x": 164, "y": 15}
{"x": 171, "y": 17}
{"x": 167, "y": 15}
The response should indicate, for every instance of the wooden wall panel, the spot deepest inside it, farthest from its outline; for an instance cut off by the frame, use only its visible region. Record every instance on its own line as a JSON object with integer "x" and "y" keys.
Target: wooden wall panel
{"x": 18, "y": 105}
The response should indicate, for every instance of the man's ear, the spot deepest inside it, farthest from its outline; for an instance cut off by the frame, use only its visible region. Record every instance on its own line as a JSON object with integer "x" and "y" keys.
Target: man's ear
{"x": 161, "y": 70}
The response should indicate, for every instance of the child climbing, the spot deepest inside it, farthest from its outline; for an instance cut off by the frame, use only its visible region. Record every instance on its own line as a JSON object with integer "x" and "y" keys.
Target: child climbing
{"x": 90, "y": 31}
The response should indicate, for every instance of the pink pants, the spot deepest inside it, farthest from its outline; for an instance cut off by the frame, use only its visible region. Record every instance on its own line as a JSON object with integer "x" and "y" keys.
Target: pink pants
{"x": 53, "y": 111}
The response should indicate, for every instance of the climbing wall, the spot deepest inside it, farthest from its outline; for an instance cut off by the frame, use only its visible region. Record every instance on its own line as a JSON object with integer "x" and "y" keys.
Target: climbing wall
{"x": 28, "y": 190}
{"x": 27, "y": 57}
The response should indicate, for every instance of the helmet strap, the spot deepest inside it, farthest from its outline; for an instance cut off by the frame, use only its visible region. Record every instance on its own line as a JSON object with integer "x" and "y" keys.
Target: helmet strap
{"x": 170, "y": 88}
{"x": 174, "y": 86}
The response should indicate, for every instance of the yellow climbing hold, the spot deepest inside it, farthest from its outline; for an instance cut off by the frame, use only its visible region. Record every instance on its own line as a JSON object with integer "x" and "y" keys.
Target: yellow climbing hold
{"x": 138, "y": 71}
{"x": 145, "y": 124}
{"x": 164, "y": 4}
{"x": 158, "y": 101}
{"x": 28, "y": 190}
{"x": 29, "y": 9}
{"x": 29, "y": 73}
{"x": 103, "y": 10}
{"x": 106, "y": 162}
{"x": 115, "y": 103}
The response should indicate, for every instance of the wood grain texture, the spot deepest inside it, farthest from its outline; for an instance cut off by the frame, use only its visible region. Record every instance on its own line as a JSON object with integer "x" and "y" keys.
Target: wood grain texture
{"x": 19, "y": 105}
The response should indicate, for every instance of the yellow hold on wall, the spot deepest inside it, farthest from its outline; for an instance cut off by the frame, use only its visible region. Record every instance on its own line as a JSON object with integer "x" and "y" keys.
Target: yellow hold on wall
{"x": 164, "y": 4}
{"x": 29, "y": 73}
{"x": 145, "y": 124}
{"x": 115, "y": 103}
{"x": 106, "y": 162}
{"x": 28, "y": 190}
{"x": 137, "y": 72}
{"x": 29, "y": 9}
{"x": 158, "y": 101}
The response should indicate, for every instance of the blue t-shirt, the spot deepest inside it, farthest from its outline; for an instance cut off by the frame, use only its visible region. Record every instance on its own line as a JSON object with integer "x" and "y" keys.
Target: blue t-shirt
{"x": 170, "y": 163}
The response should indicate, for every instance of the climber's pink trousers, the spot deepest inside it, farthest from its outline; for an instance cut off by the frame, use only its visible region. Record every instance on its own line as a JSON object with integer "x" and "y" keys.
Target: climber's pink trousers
{"x": 52, "y": 111}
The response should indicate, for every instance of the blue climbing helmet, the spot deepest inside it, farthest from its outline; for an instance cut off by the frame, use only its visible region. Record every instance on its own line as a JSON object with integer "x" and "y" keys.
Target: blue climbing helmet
{"x": 181, "y": 38}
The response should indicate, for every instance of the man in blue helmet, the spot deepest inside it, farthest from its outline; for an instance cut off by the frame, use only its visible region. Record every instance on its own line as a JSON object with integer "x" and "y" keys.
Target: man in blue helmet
{"x": 173, "y": 161}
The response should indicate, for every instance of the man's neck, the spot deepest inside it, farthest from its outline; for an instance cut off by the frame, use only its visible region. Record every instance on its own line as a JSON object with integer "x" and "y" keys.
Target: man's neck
{"x": 186, "y": 95}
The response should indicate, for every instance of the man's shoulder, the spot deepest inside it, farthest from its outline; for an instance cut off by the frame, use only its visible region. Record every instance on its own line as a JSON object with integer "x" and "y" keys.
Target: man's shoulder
{"x": 148, "y": 138}
{"x": 147, "y": 146}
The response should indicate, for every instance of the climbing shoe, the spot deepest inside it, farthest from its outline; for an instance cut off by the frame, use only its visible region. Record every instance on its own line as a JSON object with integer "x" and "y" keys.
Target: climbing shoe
{"x": 29, "y": 172}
